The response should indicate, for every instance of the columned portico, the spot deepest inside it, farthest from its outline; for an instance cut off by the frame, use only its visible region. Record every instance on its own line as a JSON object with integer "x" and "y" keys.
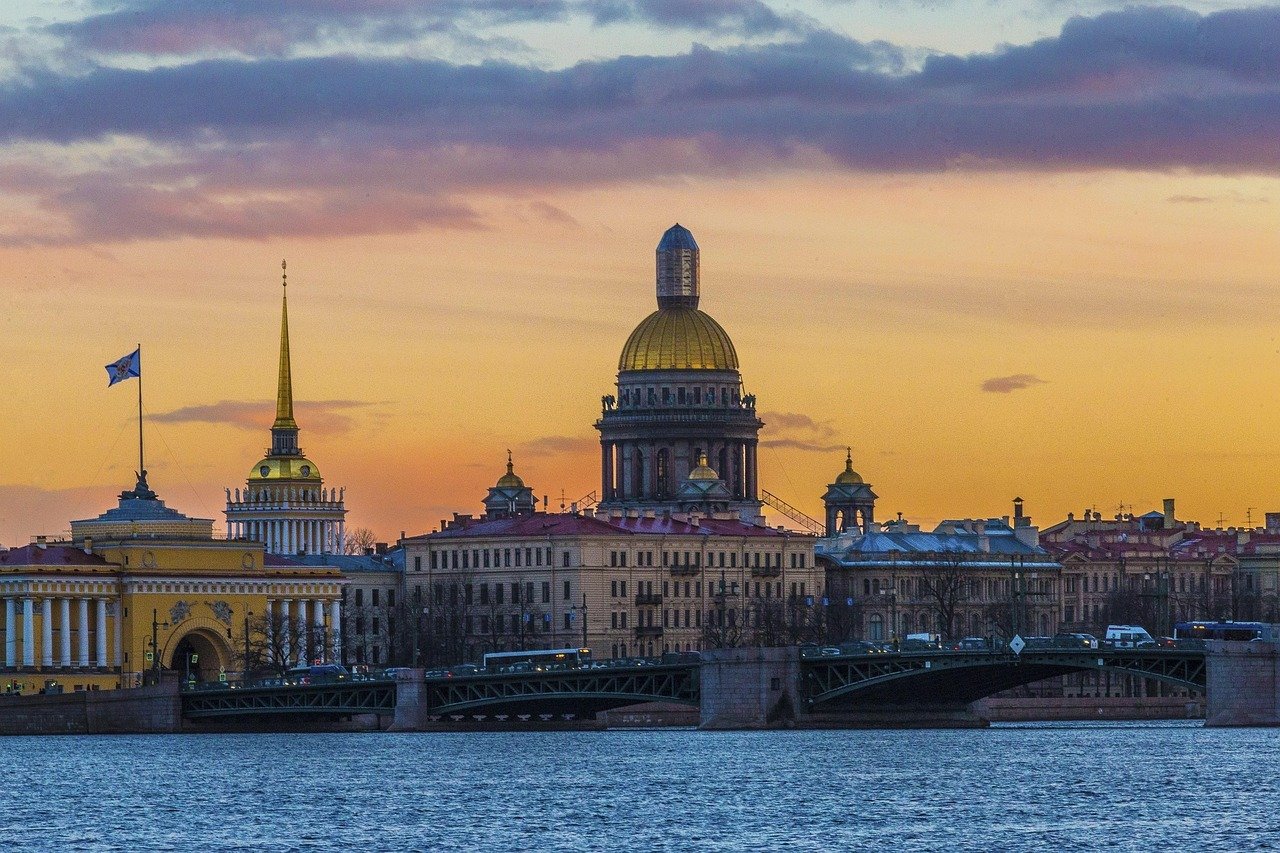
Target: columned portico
{"x": 318, "y": 623}
{"x": 284, "y": 629}
{"x": 335, "y": 620}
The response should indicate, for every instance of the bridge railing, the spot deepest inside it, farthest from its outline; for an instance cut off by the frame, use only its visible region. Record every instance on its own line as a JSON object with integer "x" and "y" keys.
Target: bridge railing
{"x": 284, "y": 681}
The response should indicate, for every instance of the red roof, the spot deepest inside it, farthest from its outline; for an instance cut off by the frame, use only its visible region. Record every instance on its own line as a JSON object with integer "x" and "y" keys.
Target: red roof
{"x": 566, "y": 524}
{"x": 50, "y": 555}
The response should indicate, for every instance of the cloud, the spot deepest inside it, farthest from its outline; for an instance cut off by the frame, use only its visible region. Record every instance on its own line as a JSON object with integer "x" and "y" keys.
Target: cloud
{"x": 797, "y": 431}
{"x": 557, "y": 445}
{"x": 341, "y": 144}
{"x": 1008, "y": 384}
{"x": 1231, "y": 198}
{"x": 318, "y": 416}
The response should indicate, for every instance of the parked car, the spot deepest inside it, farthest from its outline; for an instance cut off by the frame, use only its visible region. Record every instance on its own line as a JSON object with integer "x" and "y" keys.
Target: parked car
{"x": 1076, "y": 641}
{"x": 465, "y": 669}
{"x": 973, "y": 644}
{"x": 1128, "y": 637}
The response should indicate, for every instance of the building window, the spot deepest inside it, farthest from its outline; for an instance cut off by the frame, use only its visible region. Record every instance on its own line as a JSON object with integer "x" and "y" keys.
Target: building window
{"x": 613, "y": 619}
{"x": 466, "y": 559}
{"x": 359, "y": 598}
{"x": 506, "y": 558}
{"x": 568, "y": 590}
{"x": 417, "y": 564}
{"x": 613, "y": 589}
{"x": 375, "y": 598}
{"x": 568, "y": 620}
{"x": 528, "y": 593}
{"x": 566, "y": 558}
{"x": 434, "y": 561}
{"x": 497, "y": 593}
{"x": 515, "y": 592}
{"x": 546, "y": 592}
{"x": 622, "y": 587}
{"x": 468, "y": 592}
{"x": 623, "y": 619}
{"x": 613, "y": 559}
{"x": 528, "y": 556}
{"x": 391, "y": 598}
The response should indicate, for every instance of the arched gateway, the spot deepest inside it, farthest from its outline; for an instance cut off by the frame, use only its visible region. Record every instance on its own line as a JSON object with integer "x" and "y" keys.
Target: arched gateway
{"x": 201, "y": 653}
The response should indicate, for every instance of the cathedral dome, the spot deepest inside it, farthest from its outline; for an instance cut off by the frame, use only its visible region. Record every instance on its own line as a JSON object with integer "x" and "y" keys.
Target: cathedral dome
{"x": 848, "y": 477}
{"x": 284, "y": 468}
{"x": 510, "y": 480}
{"x": 678, "y": 339}
{"x": 703, "y": 471}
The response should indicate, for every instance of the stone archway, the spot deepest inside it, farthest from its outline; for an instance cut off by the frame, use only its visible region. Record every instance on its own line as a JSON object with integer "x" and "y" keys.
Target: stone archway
{"x": 210, "y": 649}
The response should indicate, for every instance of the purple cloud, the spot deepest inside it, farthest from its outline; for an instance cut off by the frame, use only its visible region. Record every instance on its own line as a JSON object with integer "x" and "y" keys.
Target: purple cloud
{"x": 1009, "y": 384}
{"x": 319, "y": 416}
{"x": 797, "y": 431}
{"x": 337, "y": 144}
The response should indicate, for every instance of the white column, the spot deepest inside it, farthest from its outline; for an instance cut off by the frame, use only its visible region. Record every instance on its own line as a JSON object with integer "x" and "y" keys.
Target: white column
{"x": 266, "y": 622}
{"x": 10, "y": 635}
{"x": 46, "y": 632}
{"x": 284, "y": 629}
{"x": 84, "y": 632}
{"x": 318, "y": 622}
{"x": 102, "y": 632}
{"x": 117, "y": 643}
{"x": 335, "y": 620}
{"x": 302, "y": 632}
{"x": 28, "y": 629}
{"x": 64, "y": 625}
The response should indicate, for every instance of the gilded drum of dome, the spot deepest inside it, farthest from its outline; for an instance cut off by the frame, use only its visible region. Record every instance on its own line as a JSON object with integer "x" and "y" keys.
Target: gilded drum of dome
{"x": 678, "y": 339}
{"x": 285, "y": 468}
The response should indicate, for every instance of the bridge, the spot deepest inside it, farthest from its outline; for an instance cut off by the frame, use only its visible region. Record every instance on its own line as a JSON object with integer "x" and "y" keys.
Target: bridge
{"x": 939, "y": 677}
{"x": 813, "y": 685}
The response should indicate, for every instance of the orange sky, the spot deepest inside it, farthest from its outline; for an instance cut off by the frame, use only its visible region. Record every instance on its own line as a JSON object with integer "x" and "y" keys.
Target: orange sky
{"x": 874, "y": 305}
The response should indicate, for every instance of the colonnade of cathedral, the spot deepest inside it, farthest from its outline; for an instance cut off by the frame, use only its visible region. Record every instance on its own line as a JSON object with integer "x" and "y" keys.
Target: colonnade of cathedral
{"x": 71, "y": 625}
{"x": 649, "y": 470}
{"x": 291, "y": 535}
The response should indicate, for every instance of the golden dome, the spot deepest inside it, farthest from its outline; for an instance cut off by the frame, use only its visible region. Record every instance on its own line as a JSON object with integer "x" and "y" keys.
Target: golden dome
{"x": 849, "y": 477}
{"x": 510, "y": 480}
{"x": 285, "y": 468}
{"x": 702, "y": 472}
{"x": 678, "y": 339}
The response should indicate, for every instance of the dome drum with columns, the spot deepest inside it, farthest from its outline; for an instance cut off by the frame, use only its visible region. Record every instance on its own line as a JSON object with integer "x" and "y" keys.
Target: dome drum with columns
{"x": 679, "y": 397}
{"x": 284, "y": 503}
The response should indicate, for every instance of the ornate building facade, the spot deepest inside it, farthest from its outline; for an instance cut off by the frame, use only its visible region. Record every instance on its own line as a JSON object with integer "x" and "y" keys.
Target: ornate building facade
{"x": 285, "y": 504}
{"x": 679, "y": 399}
{"x": 622, "y": 582}
{"x": 143, "y": 587}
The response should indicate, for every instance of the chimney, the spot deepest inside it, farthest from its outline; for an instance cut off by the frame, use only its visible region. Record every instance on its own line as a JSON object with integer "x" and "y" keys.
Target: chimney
{"x": 1273, "y": 522}
{"x": 1168, "y": 514}
{"x": 42, "y": 542}
{"x": 88, "y": 544}
{"x": 1017, "y": 511}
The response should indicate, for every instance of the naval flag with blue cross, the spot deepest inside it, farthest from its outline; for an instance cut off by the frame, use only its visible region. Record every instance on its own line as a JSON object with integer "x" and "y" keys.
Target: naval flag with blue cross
{"x": 125, "y": 368}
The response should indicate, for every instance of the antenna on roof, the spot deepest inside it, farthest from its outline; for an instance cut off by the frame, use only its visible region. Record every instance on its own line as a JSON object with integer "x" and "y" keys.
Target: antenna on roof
{"x": 1221, "y": 519}
{"x": 1248, "y": 516}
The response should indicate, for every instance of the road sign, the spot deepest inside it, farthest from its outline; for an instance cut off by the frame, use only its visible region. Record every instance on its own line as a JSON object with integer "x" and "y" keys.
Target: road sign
{"x": 1017, "y": 644}
{"x": 195, "y": 658}
{"x": 150, "y": 657}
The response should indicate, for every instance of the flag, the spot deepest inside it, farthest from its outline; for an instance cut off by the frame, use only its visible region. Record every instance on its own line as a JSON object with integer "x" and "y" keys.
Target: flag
{"x": 125, "y": 368}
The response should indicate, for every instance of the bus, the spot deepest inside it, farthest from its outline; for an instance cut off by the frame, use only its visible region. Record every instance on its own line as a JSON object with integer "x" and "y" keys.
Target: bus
{"x": 536, "y": 660}
{"x": 1238, "y": 631}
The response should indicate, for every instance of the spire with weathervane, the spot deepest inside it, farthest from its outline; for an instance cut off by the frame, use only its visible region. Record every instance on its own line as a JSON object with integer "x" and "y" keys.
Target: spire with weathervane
{"x": 284, "y": 432}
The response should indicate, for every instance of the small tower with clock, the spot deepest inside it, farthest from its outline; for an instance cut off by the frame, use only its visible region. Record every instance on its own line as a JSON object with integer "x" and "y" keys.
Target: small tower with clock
{"x": 285, "y": 504}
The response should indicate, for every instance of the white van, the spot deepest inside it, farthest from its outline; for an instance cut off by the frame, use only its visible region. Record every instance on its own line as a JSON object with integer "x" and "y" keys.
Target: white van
{"x": 1128, "y": 636}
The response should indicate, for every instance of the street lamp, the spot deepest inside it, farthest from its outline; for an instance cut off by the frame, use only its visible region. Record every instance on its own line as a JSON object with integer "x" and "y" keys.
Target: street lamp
{"x": 244, "y": 676}
{"x": 156, "y": 625}
{"x": 583, "y": 611}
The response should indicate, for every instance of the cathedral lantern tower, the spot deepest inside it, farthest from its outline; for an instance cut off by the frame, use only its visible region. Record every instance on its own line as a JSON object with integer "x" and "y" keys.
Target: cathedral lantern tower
{"x": 679, "y": 398}
{"x": 284, "y": 503}
{"x": 849, "y": 502}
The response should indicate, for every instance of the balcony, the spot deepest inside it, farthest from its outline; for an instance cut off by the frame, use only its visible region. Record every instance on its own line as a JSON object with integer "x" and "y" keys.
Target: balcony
{"x": 766, "y": 572}
{"x": 643, "y": 631}
{"x": 686, "y": 570}
{"x": 648, "y": 599}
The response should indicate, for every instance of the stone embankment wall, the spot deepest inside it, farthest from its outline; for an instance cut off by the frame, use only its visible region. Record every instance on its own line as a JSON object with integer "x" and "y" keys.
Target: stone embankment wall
{"x": 1244, "y": 684}
{"x": 750, "y": 688}
{"x": 141, "y": 710}
{"x": 1023, "y": 709}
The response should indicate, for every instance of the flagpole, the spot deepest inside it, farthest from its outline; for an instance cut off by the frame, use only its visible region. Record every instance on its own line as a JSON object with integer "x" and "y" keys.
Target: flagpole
{"x": 141, "y": 469}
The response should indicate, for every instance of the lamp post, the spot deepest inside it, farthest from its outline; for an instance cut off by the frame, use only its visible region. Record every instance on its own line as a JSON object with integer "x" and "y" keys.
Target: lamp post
{"x": 582, "y": 611}
{"x": 156, "y": 625}
{"x": 244, "y": 676}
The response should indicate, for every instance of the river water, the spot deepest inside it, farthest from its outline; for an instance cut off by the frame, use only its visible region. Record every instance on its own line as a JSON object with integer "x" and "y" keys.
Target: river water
{"x": 1123, "y": 787}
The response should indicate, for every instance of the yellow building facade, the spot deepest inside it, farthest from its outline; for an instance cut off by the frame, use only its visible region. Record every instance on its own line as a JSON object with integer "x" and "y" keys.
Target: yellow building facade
{"x": 143, "y": 588}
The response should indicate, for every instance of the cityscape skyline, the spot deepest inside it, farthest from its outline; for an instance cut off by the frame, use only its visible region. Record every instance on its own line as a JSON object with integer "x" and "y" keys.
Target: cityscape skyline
{"x": 1045, "y": 314}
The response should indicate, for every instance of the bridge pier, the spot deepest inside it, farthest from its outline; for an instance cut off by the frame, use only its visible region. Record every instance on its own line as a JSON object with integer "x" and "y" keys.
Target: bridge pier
{"x": 411, "y": 702}
{"x": 750, "y": 688}
{"x": 1243, "y": 684}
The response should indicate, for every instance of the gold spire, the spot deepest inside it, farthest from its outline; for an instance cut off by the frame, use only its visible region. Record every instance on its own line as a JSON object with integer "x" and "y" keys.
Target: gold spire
{"x": 848, "y": 477}
{"x": 284, "y": 392}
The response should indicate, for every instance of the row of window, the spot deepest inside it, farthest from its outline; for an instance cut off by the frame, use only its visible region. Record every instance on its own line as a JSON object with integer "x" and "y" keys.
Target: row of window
{"x": 376, "y": 598}
{"x": 693, "y": 589}
{"x": 680, "y": 396}
{"x": 469, "y": 593}
{"x": 490, "y": 558}
{"x": 1109, "y": 583}
{"x": 618, "y": 559}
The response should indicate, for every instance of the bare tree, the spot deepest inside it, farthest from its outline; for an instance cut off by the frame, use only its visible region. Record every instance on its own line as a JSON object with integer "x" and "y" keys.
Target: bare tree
{"x": 360, "y": 540}
{"x": 945, "y": 587}
{"x": 267, "y": 650}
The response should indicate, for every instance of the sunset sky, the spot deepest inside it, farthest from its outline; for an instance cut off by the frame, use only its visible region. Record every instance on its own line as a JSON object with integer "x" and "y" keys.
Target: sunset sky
{"x": 1000, "y": 248}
